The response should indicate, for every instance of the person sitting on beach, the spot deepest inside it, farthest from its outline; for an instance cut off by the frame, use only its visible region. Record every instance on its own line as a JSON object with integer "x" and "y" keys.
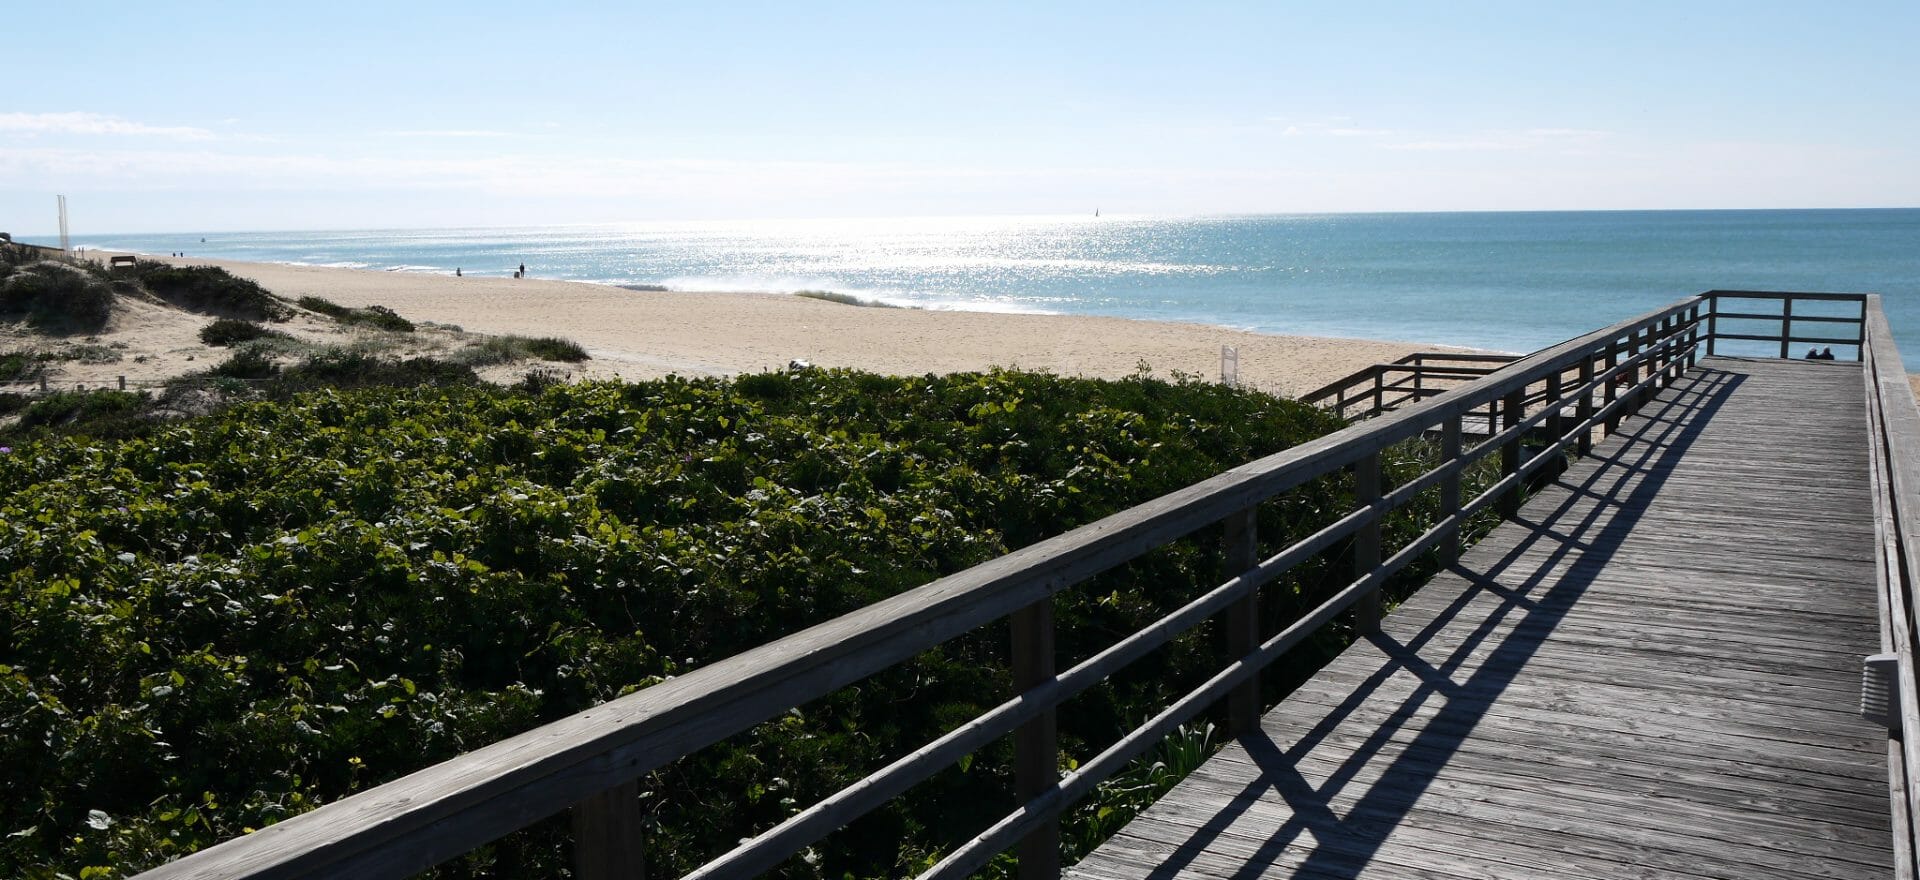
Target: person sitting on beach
{"x": 1826, "y": 354}
{"x": 1813, "y": 354}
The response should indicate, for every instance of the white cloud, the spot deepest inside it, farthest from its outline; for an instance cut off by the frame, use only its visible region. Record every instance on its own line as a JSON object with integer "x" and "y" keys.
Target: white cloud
{"x": 94, "y": 123}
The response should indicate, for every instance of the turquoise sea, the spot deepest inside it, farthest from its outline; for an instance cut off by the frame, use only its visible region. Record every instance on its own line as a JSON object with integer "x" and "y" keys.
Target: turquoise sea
{"x": 1509, "y": 281}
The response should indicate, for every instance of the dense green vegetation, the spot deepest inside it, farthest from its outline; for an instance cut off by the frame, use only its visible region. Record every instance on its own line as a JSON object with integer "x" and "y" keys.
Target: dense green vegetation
{"x": 53, "y": 296}
{"x": 226, "y": 332}
{"x": 211, "y": 290}
{"x": 508, "y": 349}
{"x": 235, "y": 618}
{"x": 377, "y": 317}
{"x": 18, "y": 366}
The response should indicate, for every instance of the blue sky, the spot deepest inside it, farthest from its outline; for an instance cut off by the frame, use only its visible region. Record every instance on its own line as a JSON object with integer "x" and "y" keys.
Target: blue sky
{"x": 209, "y": 116}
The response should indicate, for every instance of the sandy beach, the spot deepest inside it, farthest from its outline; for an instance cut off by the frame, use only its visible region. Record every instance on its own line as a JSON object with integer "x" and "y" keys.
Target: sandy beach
{"x": 647, "y": 334}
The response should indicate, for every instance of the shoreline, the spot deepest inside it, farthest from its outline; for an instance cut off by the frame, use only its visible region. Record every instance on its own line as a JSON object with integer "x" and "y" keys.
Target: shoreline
{"x": 649, "y": 334}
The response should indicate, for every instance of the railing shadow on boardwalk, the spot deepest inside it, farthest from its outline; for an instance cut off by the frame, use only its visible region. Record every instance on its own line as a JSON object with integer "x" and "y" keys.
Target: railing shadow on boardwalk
{"x": 1344, "y": 846}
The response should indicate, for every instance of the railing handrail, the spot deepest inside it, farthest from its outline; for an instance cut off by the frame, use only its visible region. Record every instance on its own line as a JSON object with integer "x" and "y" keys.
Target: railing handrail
{"x": 1894, "y": 438}
{"x": 1786, "y": 338}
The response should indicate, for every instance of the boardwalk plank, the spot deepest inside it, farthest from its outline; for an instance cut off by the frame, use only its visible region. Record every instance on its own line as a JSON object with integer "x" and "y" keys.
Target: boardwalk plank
{"x": 1652, "y": 672}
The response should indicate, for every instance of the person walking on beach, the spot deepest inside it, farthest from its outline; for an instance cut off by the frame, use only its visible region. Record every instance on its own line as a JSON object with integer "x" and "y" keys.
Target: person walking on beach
{"x": 523, "y": 271}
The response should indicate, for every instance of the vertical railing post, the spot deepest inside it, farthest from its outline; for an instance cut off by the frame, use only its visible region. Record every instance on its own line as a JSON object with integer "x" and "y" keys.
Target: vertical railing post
{"x": 1243, "y": 618}
{"x": 1669, "y": 331}
{"x": 1636, "y": 344}
{"x": 1340, "y": 403}
{"x": 1556, "y": 428}
{"x": 1584, "y": 411}
{"x": 1379, "y": 390}
{"x": 607, "y": 840}
{"x": 1860, "y": 335}
{"x": 1713, "y": 323}
{"x": 1450, "y": 488}
{"x": 1366, "y": 543}
{"x": 1510, "y": 451}
{"x": 1036, "y": 744}
{"x": 1786, "y": 327}
{"x": 1693, "y": 337}
{"x": 1612, "y": 386}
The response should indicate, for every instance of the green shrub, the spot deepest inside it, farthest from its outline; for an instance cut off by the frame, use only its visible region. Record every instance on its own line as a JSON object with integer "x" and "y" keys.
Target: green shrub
{"x": 211, "y": 290}
{"x": 67, "y": 407}
{"x": 246, "y": 363}
{"x": 378, "y": 317}
{"x": 228, "y": 332}
{"x": 56, "y": 297}
{"x": 348, "y": 368}
{"x": 18, "y": 366}
{"x": 321, "y": 306}
{"x": 508, "y": 349}
{"x": 237, "y": 618}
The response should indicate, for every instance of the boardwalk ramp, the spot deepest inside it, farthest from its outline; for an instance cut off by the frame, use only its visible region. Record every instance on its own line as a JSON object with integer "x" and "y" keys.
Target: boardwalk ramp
{"x": 1653, "y": 670}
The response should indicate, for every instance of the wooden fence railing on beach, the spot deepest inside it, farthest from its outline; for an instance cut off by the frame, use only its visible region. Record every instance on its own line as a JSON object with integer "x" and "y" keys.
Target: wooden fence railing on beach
{"x": 592, "y": 763}
{"x": 1415, "y": 377}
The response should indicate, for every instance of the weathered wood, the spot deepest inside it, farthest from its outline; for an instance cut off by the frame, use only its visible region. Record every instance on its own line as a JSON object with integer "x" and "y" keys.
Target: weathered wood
{"x": 1242, "y": 552}
{"x": 1366, "y": 542}
{"x": 1510, "y": 454}
{"x": 1786, "y": 328}
{"x": 1450, "y": 489}
{"x": 1638, "y": 676}
{"x": 1036, "y": 744}
{"x": 608, "y": 839}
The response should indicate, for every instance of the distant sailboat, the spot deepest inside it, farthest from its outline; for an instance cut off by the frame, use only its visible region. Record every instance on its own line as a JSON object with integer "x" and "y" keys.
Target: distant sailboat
{"x": 1096, "y": 212}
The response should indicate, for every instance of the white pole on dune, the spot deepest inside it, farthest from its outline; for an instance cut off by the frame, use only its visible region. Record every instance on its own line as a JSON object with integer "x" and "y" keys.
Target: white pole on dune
{"x": 63, "y": 224}
{"x": 1229, "y": 365}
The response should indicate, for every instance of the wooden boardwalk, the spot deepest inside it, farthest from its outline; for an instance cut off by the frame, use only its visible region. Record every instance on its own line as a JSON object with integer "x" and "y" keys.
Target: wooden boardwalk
{"x": 1653, "y": 672}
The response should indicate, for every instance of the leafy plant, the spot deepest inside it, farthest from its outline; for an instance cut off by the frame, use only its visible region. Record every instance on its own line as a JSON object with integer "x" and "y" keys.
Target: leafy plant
{"x": 378, "y": 317}
{"x": 228, "y": 332}
{"x": 18, "y": 366}
{"x": 211, "y": 290}
{"x": 56, "y": 297}
{"x": 508, "y": 349}
{"x": 233, "y": 619}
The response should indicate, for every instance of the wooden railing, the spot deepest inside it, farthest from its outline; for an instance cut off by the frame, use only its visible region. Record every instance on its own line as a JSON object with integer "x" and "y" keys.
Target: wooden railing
{"x": 1415, "y": 377}
{"x": 1736, "y": 307}
{"x": 591, "y": 762}
{"x": 1894, "y": 432}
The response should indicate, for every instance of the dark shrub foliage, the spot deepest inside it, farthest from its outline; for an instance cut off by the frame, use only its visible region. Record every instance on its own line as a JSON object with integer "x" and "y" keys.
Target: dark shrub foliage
{"x": 55, "y": 297}
{"x": 379, "y": 317}
{"x": 354, "y": 369}
{"x": 247, "y": 363}
{"x": 507, "y": 349}
{"x": 240, "y": 617}
{"x": 211, "y": 290}
{"x": 64, "y": 407}
{"x": 228, "y": 332}
{"x": 556, "y": 349}
{"x": 18, "y": 366}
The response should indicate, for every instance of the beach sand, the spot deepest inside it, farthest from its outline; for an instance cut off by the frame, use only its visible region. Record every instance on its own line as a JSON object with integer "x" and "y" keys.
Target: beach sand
{"x": 648, "y": 334}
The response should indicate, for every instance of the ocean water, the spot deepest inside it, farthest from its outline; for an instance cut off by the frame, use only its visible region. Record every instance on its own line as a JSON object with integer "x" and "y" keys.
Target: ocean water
{"x": 1506, "y": 281}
